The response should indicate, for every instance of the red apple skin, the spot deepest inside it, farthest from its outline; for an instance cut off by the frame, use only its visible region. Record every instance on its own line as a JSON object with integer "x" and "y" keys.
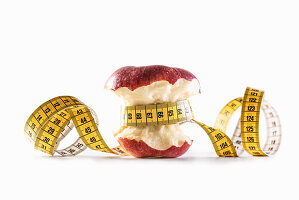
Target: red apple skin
{"x": 135, "y": 77}
{"x": 140, "y": 149}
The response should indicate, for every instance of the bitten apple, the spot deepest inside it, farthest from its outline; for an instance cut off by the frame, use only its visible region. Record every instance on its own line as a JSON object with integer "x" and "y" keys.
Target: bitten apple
{"x": 151, "y": 85}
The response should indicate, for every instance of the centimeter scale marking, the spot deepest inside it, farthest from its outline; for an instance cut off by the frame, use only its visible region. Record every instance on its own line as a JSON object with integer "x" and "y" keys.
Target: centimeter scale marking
{"x": 54, "y": 119}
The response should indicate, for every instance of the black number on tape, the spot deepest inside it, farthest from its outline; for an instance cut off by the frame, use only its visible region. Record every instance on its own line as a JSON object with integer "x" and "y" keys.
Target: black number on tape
{"x": 79, "y": 112}
{"x": 252, "y": 100}
{"x": 87, "y": 130}
{"x": 250, "y": 118}
{"x": 138, "y": 116}
{"x": 223, "y": 145}
{"x": 83, "y": 120}
{"x": 93, "y": 139}
{"x": 51, "y": 130}
{"x": 149, "y": 115}
{"x": 249, "y": 128}
{"x": 219, "y": 136}
{"x": 180, "y": 111}
{"x": 251, "y": 108}
{"x": 160, "y": 114}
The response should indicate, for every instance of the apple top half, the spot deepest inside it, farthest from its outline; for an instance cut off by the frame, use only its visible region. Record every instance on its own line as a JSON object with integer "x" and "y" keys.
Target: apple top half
{"x": 152, "y": 84}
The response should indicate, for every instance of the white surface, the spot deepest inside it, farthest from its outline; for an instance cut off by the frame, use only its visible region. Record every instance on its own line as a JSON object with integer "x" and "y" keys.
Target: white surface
{"x": 71, "y": 47}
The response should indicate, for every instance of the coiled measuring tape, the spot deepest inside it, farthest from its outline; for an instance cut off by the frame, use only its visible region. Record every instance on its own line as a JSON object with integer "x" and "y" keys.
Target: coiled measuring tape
{"x": 54, "y": 119}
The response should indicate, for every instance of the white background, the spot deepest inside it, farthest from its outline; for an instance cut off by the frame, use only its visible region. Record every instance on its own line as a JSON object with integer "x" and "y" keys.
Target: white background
{"x": 51, "y": 48}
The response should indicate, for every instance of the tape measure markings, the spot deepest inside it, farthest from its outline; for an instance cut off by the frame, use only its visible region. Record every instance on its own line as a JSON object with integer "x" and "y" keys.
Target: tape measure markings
{"x": 250, "y": 121}
{"x": 92, "y": 137}
{"x": 157, "y": 114}
{"x": 46, "y": 108}
{"x": 50, "y": 127}
{"x": 222, "y": 144}
{"x": 47, "y": 137}
{"x": 54, "y": 119}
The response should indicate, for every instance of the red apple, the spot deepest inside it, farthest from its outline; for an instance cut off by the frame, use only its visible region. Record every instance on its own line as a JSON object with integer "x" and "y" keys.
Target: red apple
{"x": 140, "y": 149}
{"x": 134, "y": 77}
{"x": 151, "y": 85}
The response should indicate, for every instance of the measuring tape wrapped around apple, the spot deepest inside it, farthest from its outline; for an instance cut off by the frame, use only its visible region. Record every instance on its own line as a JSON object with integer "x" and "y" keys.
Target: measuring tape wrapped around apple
{"x": 156, "y": 104}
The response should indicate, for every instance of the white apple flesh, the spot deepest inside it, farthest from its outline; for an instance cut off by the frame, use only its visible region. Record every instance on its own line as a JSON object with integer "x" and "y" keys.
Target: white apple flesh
{"x": 151, "y": 85}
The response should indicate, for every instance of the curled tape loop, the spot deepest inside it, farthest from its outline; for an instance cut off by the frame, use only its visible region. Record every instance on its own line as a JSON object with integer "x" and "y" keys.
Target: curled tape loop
{"x": 54, "y": 119}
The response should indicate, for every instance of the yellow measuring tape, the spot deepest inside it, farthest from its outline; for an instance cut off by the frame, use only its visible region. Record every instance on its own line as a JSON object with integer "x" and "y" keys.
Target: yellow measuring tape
{"x": 54, "y": 119}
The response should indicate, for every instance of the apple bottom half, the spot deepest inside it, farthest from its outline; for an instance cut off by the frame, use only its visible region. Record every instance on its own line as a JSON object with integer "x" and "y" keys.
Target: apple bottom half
{"x": 140, "y": 149}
